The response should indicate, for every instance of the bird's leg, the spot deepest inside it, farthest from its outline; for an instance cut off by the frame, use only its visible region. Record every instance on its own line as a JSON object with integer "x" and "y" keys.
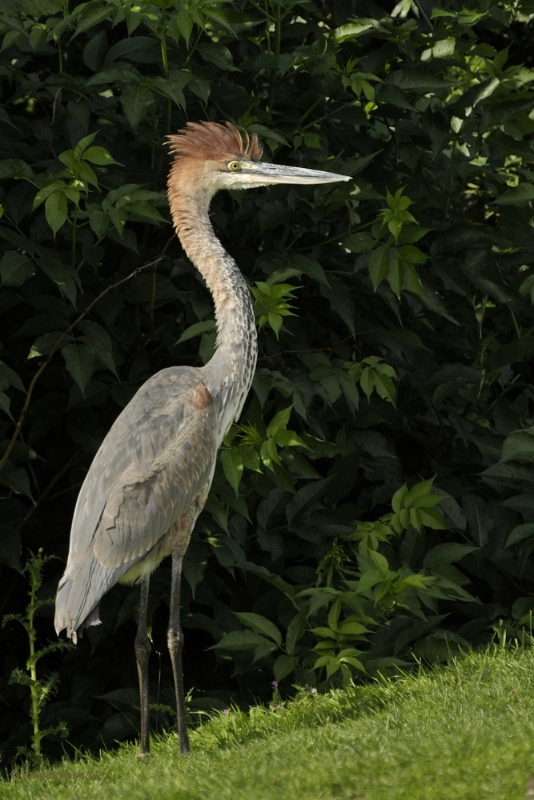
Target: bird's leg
{"x": 175, "y": 643}
{"x": 142, "y": 653}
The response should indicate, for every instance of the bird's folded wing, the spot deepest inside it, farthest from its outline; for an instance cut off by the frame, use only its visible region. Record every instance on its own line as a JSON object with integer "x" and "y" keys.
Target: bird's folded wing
{"x": 157, "y": 458}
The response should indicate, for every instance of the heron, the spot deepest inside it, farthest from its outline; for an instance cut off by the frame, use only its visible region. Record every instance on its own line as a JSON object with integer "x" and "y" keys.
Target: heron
{"x": 152, "y": 473}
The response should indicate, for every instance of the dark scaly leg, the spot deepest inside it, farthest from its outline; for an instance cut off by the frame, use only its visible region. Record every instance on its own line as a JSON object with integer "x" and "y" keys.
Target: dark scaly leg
{"x": 142, "y": 653}
{"x": 175, "y": 642}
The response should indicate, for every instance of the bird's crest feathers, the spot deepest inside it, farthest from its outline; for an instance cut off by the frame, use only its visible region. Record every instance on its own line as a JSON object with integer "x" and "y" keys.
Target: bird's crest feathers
{"x": 214, "y": 142}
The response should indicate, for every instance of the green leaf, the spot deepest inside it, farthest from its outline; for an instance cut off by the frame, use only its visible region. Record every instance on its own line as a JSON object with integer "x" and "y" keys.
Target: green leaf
{"x": 102, "y": 352}
{"x": 380, "y": 562}
{"x": 360, "y": 243}
{"x": 195, "y": 563}
{"x": 379, "y": 265}
{"x": 135, "y": 101}
{"x": 269, "y": 454}
{"x": 99, "y": 222}
{"x": 284, "y": 666}
{"x": 137, "y": 48}
{"x": 217, "y": 54}
{"x": 519, "y": 445}
{"x": 296, "y": 630}
{"x": 309, "y": 267}
{"x": 279, "y": 421}
{"x": 11, "y": 547}
{"x": 82, "y": 145}
{"x": 446, "y": 554}
{"x": 16, "y": 268}
{"x": 232, "y": 462}
{"x": 44, "y": 344}
{"x": 145, "y": 211}
{"x": 519, "y": 196}
{"x": 419, "y": 81}
{"x": 304, "y": 497}
{"x": 9, "y": 376}
{"x": 353, "y": 30}
{"x": 352, "y": 628}
{"x": 417, "y": 492}
{"x": 432, "y": 519}
{"x": 265, "y": 648}
{"x": 92, "y": 16}
{"x": 330, "y": 662}
{"x": 260, "y": 624}
{"x": 384, "y": 386}
{"x": 251, "y": 459}
{"x": 520, "y": 533}
{"x": 16, "y": 479}
{"x": 395, "y": 274}
{"x": 412, "y": 254}
{"x": 398, "y": 498}
{"x": 95, "y": 50}
{"x": 519, "y": 350}
{"x": 62, "y": 276}
{"x": 5, "y": 403}
{"x": 98, "y": 155}
{"x": 56, "y": 210}
{"x": 240, "y": 640}
{"x": 80, "y": 360}
{"x": 174, "y": 83}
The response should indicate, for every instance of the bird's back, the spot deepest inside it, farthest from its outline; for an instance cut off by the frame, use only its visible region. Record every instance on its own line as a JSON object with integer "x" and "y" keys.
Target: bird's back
{"x": 158, "y": 457}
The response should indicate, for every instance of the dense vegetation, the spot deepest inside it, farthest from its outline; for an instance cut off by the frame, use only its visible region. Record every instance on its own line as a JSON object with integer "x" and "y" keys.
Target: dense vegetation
{"x": 374, "y": 503}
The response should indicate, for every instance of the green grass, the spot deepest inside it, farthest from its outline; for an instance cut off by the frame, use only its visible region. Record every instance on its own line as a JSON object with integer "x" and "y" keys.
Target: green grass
{"x": 462, "y": 732}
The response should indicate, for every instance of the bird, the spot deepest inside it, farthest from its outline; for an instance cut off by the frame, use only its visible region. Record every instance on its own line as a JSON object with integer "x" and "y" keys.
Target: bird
{"x": 151, "y": 476}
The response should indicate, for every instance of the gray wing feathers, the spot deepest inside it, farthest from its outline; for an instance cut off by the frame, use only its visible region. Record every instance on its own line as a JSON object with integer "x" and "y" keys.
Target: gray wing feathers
{"x": 155, "y": 461}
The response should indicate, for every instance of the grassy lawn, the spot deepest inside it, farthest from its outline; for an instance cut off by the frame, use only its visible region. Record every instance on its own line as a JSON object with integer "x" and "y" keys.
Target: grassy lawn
{"x": 463, "y": 732}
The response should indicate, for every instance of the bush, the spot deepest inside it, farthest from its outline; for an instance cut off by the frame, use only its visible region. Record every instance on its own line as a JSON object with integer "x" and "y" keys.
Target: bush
{"x": 374, "y": 502}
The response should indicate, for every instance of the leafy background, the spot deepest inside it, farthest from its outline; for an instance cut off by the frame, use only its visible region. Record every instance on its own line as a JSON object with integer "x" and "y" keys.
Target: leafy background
{"x": 373, "y": 506}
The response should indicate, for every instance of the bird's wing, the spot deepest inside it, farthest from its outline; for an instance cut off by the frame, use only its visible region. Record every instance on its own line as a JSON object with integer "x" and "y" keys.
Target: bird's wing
{"x": 156, "y": 460}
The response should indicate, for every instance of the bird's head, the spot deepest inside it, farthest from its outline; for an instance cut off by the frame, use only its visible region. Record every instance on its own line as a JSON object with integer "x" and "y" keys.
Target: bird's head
{"x": 209, "y": 157}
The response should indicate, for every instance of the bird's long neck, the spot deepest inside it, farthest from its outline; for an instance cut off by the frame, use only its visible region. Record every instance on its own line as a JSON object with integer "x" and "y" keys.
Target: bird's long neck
{"x": 228, "y": 375}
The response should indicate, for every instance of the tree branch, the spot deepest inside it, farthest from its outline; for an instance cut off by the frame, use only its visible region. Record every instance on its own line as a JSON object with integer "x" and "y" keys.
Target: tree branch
{"x": 46, "y": 491}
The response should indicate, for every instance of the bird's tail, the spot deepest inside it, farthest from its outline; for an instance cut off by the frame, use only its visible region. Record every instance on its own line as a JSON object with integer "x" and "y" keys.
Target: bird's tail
{"x": 65, "y": 619}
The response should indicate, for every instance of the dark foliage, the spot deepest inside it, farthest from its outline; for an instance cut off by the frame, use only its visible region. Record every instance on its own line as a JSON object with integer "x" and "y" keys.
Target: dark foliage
{"x": 394, "y": 384}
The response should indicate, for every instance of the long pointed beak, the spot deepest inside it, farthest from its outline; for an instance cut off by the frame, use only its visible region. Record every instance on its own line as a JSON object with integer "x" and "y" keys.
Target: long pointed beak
{"x": 262, "y": 174}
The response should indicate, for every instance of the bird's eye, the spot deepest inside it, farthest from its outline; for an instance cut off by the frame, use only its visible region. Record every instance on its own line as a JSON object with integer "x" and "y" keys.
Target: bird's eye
{"x": 234, "y": 166}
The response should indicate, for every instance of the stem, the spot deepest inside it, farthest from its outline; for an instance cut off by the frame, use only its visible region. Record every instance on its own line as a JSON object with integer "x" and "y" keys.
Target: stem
{"x": 314, "y": 350}
{"x": 165, "y": 65}
{"x": 272, "y": 77}
{"x": 153, "y": 298}
{"x": 336, "y": 238}
{"x": 164, "y": 54}
{"x": 46, "y": 491}
{"x": 327, "y": 115}
{"x": 73, "y": 243}
{"x": 34, "y": 689}
{"x": 424, "y": 15}
{"x": 515, "y": 324}
{"x": 448, "y": 193}
{"x": 169, "y": 112}
{"x": 310, "y": 109}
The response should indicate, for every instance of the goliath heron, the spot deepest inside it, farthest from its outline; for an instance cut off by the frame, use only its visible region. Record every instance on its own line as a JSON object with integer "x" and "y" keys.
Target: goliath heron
{"x": 151, "y": 476}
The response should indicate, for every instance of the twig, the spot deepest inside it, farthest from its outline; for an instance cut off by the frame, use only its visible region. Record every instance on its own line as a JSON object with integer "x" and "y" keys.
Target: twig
{"x": 52, "y": 121}
{"x": 312, "y": 350}
{"x": 46, "y": 491}
{"x": 58, "y": 342}
{"x": 424, "y": 15}
{"x": 153, "y": 299}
